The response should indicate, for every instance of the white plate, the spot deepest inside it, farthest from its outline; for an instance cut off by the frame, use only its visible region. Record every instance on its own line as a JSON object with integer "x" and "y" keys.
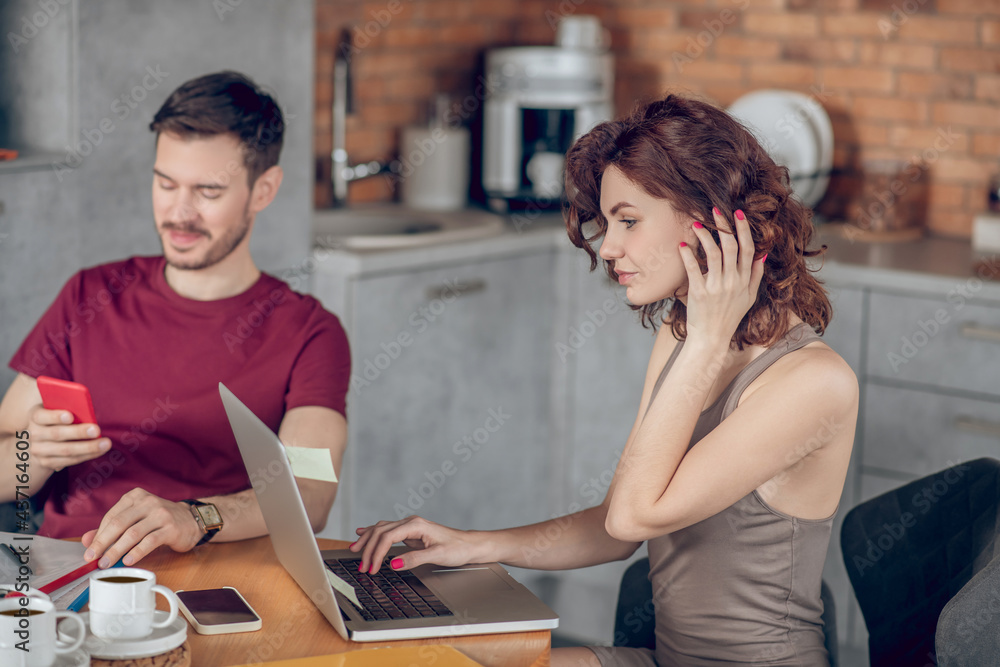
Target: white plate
{"x": 160, "y": 641}
{"x": 795, "y": 131}
{"x": 820, "y": 121}
{"x": 77, "y": 658}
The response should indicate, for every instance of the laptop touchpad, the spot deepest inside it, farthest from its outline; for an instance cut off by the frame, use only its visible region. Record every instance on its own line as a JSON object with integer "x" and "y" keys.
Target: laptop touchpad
{"x": 479, "y": 579}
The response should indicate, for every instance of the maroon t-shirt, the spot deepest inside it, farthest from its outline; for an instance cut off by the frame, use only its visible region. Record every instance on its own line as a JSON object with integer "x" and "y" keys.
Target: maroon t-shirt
{"x": 153, "y": 361}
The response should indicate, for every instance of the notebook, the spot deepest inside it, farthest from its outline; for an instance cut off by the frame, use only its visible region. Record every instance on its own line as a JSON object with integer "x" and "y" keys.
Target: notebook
{"x": 428, "y": 601}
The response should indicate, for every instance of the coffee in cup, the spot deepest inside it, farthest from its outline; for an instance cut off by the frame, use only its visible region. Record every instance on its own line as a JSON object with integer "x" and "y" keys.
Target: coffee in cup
{"x": 123, "y": 603}
{"x": 28, "y": 635}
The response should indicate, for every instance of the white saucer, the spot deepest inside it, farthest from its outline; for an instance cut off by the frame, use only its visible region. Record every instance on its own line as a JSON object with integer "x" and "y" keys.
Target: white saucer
{"x": 160, "y": 641}
{"x": 77, "y": 658}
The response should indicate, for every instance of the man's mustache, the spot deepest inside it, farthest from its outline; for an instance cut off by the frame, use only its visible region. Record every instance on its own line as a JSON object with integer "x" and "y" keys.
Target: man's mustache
{"x": 183, "y": 229}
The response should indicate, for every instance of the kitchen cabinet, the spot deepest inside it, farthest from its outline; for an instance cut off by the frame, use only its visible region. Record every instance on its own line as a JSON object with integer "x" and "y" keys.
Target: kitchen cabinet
{"x": 922, "y": 331}
{"x": 600, "y": 356}
{"x": 448, "y": 414}
{"x": 459, "y": 406}
{"x": 845, "y": 335}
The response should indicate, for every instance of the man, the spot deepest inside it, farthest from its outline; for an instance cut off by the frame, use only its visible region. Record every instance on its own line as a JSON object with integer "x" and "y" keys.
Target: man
{"x": 153, "y": 336}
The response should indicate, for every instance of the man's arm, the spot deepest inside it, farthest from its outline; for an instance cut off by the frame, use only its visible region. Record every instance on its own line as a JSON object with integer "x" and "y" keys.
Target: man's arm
{"x": 54, "y": 442}
{"x": 140, "y": 522}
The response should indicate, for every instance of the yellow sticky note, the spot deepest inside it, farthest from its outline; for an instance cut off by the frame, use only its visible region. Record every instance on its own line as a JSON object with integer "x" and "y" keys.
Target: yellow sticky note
{"x": 311, "y": 463}
{"x": 344, "y": 587}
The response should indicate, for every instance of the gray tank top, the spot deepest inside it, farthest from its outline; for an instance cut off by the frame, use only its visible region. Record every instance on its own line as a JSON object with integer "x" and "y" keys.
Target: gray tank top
{"x": 743, "y": 586}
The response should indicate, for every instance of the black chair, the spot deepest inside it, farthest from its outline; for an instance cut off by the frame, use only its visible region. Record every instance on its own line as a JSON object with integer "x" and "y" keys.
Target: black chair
{"x": 635, "y": 623}
{"x": 910, "y": 551}
{"x": 967, "y": 633}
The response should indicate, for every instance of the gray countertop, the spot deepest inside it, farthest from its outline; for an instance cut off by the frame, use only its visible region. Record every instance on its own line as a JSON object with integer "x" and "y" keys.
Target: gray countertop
{"x": 542, "y": 233}
{"x": 932, "y": 265}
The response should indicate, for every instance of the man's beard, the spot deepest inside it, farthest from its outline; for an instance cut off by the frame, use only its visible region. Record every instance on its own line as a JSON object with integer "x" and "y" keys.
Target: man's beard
{"x": 217, "y": 251}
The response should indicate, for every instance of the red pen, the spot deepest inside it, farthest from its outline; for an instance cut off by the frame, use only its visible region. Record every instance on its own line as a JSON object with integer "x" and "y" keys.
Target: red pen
{"x": 53, "y": 586}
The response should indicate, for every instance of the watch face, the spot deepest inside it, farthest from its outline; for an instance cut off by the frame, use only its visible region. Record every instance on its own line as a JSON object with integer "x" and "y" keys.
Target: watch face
{"x": 209, "y": 515}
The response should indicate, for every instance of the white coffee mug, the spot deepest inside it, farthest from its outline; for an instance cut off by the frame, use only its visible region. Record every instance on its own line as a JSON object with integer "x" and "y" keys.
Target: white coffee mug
{"x": 28, "y": 632}
{"x": 583, "y": 31}
{"x": 123, "y": 603}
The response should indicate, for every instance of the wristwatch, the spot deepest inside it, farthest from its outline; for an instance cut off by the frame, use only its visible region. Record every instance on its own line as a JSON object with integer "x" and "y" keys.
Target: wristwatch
{"x": 208, "y": 518}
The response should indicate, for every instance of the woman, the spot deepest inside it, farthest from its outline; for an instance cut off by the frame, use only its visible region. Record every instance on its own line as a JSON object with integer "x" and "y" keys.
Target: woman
{"x": 735, "y": 464}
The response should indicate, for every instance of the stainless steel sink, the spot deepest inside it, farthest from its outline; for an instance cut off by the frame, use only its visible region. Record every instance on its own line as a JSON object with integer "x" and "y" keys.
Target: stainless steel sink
{"x": 385, "y": 226}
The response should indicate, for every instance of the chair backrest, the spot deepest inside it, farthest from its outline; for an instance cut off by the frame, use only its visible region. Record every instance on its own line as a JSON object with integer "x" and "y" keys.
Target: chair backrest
{"x": 967, "y": 633}
{"x": 635, "y": 622}
{"x": 909, "y": 551}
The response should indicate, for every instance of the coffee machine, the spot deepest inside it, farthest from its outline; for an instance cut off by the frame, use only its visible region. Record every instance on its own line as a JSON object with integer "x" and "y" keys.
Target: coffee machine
{"x": 539, "y": 100}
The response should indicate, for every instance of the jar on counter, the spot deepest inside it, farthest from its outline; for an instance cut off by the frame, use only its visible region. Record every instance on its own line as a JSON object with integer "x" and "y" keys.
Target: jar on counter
{"x": 893, "y": 198}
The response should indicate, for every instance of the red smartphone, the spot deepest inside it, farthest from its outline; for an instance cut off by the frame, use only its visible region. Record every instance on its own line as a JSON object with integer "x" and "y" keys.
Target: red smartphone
{"x": 66, "y": 395}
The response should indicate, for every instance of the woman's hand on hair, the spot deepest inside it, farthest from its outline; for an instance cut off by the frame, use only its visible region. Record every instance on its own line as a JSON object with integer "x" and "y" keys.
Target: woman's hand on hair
{"x": 719, "y": 299}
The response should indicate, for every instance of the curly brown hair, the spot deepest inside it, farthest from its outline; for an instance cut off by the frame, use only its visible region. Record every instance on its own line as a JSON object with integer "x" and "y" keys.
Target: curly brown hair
{"x": 698, "y": 157}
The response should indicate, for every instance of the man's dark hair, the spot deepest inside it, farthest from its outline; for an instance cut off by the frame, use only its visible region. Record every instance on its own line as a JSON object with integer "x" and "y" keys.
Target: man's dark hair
{"x": 226, "y": 103}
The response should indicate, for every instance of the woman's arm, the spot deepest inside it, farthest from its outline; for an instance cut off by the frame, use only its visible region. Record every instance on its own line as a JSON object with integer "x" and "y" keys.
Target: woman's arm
{"x": 661, "y": 486}
{"x": 568, "y": 542}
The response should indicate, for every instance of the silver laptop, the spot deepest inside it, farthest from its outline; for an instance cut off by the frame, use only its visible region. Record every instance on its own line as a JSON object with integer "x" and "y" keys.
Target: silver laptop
{"x": 428, "y": 601}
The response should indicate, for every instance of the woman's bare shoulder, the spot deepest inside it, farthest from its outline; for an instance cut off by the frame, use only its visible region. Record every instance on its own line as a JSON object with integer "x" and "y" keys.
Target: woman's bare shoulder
{"x": 815, "y": 365}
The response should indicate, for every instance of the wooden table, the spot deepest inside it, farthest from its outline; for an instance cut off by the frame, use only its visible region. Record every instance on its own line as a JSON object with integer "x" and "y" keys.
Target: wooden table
{"x": 293, "y": 627}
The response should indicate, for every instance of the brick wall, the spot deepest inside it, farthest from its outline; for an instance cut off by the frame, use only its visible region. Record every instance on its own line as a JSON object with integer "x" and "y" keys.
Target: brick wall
{"x": 901, "y": 79}
{"x": 407, "y": 51}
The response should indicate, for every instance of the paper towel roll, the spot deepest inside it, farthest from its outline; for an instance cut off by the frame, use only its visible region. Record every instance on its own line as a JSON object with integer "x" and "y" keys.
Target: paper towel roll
{"x": 435, "y": 168}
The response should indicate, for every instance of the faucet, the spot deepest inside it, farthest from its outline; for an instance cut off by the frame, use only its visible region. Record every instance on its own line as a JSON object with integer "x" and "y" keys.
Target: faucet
{"x": 343, "y": 172}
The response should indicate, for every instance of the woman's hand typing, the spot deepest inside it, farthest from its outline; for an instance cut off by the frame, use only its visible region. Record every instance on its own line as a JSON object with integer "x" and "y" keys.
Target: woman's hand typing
{"x": 431, "y": 543}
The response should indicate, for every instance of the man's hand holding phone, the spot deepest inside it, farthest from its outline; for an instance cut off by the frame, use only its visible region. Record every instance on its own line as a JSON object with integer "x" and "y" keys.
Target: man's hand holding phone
{"x": 63, "y": 429}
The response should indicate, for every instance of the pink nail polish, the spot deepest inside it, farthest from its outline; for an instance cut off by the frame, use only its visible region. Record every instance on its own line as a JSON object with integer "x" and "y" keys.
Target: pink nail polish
{"x": 764, "y": 258}
{"x": 698, "y": 225}
{"x": 683, "y": 244}
{"x": 396, "y": 563}
{"x": 351, "y": 545}
{"x": 361, "y": 566}
{"x": 716, "y": 211}
{"x": 739, "y": 214}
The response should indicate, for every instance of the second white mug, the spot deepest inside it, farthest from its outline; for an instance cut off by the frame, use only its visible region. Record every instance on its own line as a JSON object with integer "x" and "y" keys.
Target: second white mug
{"x": 28, "y": 635}
{"x": 123, "y": 603}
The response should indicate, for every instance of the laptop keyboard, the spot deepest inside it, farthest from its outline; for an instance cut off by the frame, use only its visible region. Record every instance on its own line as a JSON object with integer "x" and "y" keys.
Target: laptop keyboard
{"x": 389, "y": 594}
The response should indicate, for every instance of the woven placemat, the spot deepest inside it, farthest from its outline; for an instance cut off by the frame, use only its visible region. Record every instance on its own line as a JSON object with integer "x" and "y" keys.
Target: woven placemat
{"x": 179, "y": 657}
